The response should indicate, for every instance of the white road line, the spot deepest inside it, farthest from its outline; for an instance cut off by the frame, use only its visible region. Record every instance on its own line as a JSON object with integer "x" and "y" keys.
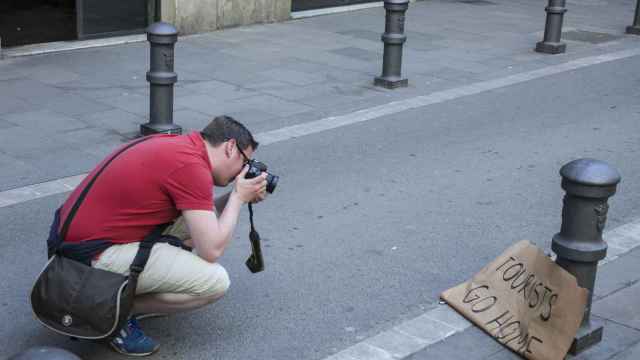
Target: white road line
{"x": 19, "y": 195}
{"x": 31, "y": 192}
{"x": 441, "y": 322}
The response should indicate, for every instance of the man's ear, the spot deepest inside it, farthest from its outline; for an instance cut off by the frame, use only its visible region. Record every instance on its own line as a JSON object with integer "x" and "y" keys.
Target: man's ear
{"x": 230, "y": 147}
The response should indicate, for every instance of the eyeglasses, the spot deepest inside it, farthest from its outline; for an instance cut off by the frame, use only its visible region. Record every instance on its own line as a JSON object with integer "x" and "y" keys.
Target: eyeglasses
{"x": 246, "y": 159}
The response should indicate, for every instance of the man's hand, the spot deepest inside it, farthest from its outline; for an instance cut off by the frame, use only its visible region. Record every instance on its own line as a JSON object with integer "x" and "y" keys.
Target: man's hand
{"x": 250, "y": 190}
{"x": 262, "y": 194}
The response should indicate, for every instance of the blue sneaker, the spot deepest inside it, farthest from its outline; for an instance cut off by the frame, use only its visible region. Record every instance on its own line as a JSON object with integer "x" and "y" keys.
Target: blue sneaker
{"x": 132, "y": 341}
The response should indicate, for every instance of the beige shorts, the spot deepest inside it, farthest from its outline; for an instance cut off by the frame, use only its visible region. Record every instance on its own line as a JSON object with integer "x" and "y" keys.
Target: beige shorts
{"x": 170, "y": 269}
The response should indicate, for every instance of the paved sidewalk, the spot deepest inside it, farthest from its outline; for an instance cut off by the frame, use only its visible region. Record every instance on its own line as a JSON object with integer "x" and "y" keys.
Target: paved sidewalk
{"x": 60, "y": 113}
{"x": 616, "y": 302}
{"x": 631, "y": 354}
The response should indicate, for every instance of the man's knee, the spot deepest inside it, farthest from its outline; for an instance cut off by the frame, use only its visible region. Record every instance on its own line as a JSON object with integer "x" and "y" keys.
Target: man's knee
{"x": 216, "y": 282}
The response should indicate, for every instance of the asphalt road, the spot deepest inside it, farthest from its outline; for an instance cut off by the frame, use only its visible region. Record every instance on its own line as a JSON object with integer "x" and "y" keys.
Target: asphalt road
{"x": 370, "y": 222}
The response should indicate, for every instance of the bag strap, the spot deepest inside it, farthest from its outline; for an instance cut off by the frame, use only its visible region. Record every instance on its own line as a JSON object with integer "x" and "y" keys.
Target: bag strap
{"x": 85, "y": 191}
{"x": 144, "y": 250}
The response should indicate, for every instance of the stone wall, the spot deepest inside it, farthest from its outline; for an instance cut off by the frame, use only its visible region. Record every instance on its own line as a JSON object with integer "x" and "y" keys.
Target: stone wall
{"x": 194, "y": 16}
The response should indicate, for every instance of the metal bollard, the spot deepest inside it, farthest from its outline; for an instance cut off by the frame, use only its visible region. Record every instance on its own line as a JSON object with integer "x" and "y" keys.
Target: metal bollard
{"x": 551, "y": 43}
{"x": 393, "y": 38}
{"x": 44, "y": 353}
{"x": 635, "y": 28}
{"x": 161, "y": 77}
{"x": 579, "y": 246}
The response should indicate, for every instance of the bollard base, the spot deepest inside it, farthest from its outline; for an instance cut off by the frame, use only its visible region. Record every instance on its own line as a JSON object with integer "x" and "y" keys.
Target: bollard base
{"x": 634, "y": 30}
{"x": 551, "y": 48}
{"x": 587, "y": 336}
{"x": 150, "y": 129}
{"x": 390, "y": 82}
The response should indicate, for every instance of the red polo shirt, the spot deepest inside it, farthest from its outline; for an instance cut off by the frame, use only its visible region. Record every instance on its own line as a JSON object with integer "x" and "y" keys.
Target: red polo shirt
{"x": 147, "y": 185}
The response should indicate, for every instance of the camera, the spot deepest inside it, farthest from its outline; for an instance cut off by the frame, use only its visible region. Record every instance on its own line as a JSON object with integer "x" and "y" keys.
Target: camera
{"x": 256, "y": 168}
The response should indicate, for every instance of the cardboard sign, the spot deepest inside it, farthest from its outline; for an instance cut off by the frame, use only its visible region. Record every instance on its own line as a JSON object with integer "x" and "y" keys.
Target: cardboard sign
{"x": 524, "y": 301}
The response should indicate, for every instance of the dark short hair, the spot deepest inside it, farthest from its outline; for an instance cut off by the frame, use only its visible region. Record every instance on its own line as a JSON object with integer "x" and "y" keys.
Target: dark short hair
{"x": 224, "y": 128}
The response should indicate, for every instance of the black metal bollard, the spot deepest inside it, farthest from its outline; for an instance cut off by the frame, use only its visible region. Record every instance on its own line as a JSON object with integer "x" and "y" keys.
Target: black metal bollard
{"x": 551, "y": 43}
{"x": 635, "y": 28}
{"x": 579, "y": 246}
{"x": 393, "y": 38}
{"x": 161, "y": 77}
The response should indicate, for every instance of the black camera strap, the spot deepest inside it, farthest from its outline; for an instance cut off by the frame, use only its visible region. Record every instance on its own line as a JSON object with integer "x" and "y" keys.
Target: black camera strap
{"x": 253, "y": 228}
{"x": 254, "y": 262}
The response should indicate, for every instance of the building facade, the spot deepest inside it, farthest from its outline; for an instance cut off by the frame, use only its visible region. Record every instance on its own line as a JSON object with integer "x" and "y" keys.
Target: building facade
{"x": 24, "y": 22}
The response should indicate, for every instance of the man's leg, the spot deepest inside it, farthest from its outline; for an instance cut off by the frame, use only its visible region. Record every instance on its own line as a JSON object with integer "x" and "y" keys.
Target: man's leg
{"x": 178, "y": 229}
{"x": 170, "y": 303}
{"x": 173, "y": 280}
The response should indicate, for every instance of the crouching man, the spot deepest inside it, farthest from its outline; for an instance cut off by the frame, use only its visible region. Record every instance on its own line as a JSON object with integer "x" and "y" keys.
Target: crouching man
{"x": 168, "y": 178}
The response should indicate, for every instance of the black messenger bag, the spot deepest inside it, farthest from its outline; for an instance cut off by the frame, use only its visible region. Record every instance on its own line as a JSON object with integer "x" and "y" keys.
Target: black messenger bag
{"x": 74, "y": 299}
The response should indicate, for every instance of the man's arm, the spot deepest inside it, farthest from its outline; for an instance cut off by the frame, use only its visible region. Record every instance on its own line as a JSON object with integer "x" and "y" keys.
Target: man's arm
{"x": 221, "y": 202}
{"x": 211, "y": 234}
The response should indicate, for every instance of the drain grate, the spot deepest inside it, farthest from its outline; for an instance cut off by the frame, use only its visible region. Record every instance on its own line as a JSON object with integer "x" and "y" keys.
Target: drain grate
{"x": 589, "y": 36}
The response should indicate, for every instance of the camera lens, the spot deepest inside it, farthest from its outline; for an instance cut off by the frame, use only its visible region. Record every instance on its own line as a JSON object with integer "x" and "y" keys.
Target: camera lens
{"x": 272, "y": 182}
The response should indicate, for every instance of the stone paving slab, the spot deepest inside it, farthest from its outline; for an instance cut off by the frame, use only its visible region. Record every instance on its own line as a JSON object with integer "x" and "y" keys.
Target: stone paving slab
{"x": 94, "y": 90}
{"x": 44, "y": 121}
{"x": 616, "y": 275}
{"x": 117, "y": 120}
{"x": 615, "y": 338}
{"x": 73, "y": 105}
{"x": 621, "y": 306}
{"x": 11, "y": 104}
{"x": 470, "y": 344}
{"x": 631, "y": 354}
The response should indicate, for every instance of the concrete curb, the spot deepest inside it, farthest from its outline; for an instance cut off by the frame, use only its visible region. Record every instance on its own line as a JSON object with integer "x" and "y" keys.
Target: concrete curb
{"x": 57, "y": 46}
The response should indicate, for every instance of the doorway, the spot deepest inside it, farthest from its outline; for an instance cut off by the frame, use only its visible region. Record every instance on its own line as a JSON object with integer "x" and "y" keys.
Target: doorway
{"x": 301, "y": 5}
{"x": 25, "y": 22}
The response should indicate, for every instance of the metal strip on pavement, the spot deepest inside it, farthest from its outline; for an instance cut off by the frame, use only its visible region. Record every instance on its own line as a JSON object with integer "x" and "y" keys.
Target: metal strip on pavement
{"x": 19, "y": 195}
{"x": 334, "y": 10}
{"x": 442, "y": 322}
{"x": 57, "y": 46}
